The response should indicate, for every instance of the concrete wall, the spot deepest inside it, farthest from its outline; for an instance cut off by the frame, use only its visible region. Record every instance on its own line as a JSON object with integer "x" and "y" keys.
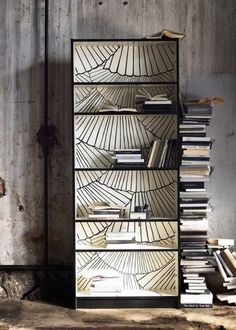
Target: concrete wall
{"x": 207, "y": 68}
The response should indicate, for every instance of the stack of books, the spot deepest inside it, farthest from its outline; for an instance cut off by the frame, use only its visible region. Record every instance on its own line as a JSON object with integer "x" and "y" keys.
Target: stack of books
{"x": 194, "y": 283}
{"x": 226, "y": 263}
{"x": 101, "y": 285}
{"x": 121, "y": 237}
{"x": 131, "y": 158}
{"x": 197, "y": 112}
{"x": 156, "y": 103}
{"x": 195, "y": 170}
{"x": 162, "y": 153}
{"x": 104, "y": 210}
{"x": 195, "y": 163}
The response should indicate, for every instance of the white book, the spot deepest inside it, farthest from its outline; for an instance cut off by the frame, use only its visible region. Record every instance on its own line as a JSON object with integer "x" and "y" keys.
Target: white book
{"x": 192, "y": 275}
{"x": 130, "y": 160}
{"x": 158, "y": 102}
{"x": 205, "y": 298}
{"x": 193, "y": 204}
{"x": 230, "y": 286}
{"x": 221, "y": 241}
{"x": 195, "y": 189}
{"x": 195, "y": 290}
{"x": 125, "y": 156}
{"x": 197, "y": 286}
{"x": 103, "y": 216}
{"x": 196, "y": 138}
{"x": 187, "y": 146}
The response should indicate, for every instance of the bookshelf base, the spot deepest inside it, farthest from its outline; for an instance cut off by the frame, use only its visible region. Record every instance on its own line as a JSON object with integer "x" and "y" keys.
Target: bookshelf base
{"x": 130, "y": 302}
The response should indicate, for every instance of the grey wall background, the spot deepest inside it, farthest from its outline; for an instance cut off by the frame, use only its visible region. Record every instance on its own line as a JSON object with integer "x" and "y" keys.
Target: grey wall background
{"x": 207, "y": 68}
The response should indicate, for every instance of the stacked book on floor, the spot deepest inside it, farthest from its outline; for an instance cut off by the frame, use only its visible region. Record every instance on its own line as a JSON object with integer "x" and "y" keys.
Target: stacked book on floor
{"x": 226, "y": 263}
{"x": 156, "y": 103}
{"x": 195, "y": 170}
{"x": 162, "y": 153}
{"x": 128, "y": 158}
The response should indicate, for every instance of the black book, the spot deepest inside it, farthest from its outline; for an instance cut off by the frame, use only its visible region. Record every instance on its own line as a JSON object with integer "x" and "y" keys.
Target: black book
{"x": 157, "y": 107}
{"x": 196, "y": 158}
{"x": 191, "y": 134}
{"x": 194, "y": 254}
{"x": 191, "y": 185}
{"x": 193, "y": 233}
{"x": 193, "y": 239}
{"x": 114, "y": 211}
{"x": 197, "y": 143}
{"x": 194, "y": 200}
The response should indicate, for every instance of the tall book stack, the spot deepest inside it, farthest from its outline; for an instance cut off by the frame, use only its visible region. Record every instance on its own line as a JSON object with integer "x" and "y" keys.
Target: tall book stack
{"x": 195, "y": 170}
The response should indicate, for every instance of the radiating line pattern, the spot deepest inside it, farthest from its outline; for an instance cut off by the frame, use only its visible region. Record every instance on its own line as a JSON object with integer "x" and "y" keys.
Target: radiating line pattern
{"x": 139, "y": 270}
{"x": 158, "y": 189}
{"x": 96, "y": 137}
{"x": 90, "y": 99}
{"x": 124, "y": 62}
{"x": 149, "y": 233}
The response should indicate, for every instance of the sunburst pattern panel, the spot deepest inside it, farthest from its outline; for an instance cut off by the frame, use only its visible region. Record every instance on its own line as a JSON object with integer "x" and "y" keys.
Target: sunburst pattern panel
{"x": 90, "y": 99}
{"x": 96, "y": 137}
{"x": 138, "y": 270}
{"x": 158, "y": 189}
{"x": 148, "y": 234}
{"x": 124, "y": 62}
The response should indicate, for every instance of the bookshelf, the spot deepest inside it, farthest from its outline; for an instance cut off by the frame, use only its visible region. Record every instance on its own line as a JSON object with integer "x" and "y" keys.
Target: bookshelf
{"x": 112, "y": 268}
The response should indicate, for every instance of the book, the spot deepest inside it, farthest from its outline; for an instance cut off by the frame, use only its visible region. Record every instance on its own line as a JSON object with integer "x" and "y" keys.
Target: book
{"x": 230, "y": 297}
{"x": 204, "y": 101}
{"x": 138, "y": 215}
{"x": 197, "y": 299}
{"x": 196, "y": 139}
{"x": 154, "y": 150}
{"x": 166, "y": 34}
{"x": 145, "y": 96}
{"x": 128, "y": 150}
{"x": 109, "y": 106}
{"x": 128, "y": 155}
{"x": 221, "y": 241}
{"x": 229, "y": 260}
{"x": 129, "y": 160}
{"x": 103, "y": 216}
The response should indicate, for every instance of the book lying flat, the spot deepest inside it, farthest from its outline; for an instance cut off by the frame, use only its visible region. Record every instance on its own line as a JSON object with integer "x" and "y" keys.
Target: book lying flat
{"x": 221, "y": 241}
{"x": 109, "y": 106}
{"x": 166, "y": 34}
{"x": 205, "y": 298}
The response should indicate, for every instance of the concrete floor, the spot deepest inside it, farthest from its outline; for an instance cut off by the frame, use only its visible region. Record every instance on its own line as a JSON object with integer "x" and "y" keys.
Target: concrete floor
{"x": 36, "y": 315}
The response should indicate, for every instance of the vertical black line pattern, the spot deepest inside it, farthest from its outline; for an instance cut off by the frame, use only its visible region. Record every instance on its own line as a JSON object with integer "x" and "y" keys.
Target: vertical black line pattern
{"x": 46, "y": 148}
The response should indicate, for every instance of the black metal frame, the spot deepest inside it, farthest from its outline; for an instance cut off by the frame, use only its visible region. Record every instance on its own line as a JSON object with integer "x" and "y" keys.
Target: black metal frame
{"x": 139, "y": 301}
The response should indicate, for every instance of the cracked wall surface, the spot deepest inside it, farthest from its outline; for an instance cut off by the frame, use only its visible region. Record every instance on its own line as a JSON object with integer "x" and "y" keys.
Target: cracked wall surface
{"x": 207, "y": 68}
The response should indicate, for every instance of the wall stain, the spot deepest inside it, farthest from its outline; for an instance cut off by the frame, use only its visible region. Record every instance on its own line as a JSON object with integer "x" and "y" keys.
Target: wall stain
{"x": 48, "y": 138}
{"x": 2, "y": 188}
{"x": 230, "y": 134}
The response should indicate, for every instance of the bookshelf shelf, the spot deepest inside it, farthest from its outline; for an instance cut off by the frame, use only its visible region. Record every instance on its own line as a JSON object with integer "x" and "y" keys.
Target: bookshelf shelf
{"x": 128, "y": 169}
{"x": 142, "y": 255}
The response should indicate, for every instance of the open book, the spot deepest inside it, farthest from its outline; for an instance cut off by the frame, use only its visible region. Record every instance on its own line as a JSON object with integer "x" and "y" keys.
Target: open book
{"x": 109, "y": 106}
{"x": 166, "y": 34}
{"x": 145, "y": 97}
{"x": 215, "y": 100}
